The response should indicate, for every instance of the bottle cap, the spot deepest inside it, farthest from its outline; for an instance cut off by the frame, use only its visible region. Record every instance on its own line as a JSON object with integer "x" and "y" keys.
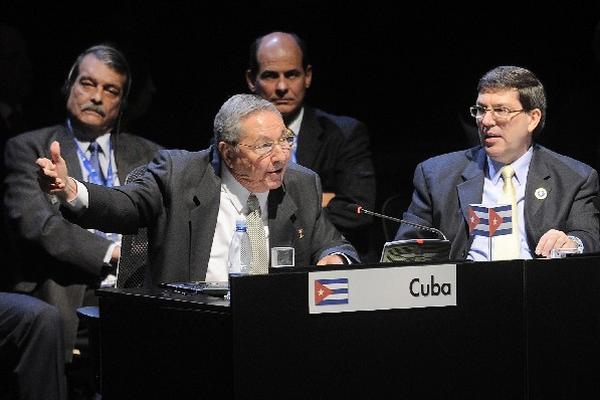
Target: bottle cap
{"x": 240, "y": 223}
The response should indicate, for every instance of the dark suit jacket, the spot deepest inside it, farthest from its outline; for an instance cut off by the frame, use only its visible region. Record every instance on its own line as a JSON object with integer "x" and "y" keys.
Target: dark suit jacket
{"x": 447, "y": 184}
{"x": 53, "y": 258}
{"x": 178, "y": 199}
{"x": 337, "y": 148}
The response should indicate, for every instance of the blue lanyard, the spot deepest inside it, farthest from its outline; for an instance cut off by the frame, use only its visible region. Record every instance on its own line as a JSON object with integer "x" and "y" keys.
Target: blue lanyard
{"x": 93, "y": 175}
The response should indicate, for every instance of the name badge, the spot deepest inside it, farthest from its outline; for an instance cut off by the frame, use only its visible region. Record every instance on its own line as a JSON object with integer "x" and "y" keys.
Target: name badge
{"x": 382, "y": 289}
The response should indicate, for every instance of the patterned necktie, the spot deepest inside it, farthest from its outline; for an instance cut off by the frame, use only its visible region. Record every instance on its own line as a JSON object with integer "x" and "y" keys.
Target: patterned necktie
{"x": 258, "y": 240}
{"x": 95, "y": 149}
{"x": 507, "y": 247}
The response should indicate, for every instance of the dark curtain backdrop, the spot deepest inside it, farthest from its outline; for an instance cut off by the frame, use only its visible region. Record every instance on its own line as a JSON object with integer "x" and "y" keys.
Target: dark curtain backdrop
{"x": 408, "y": 71}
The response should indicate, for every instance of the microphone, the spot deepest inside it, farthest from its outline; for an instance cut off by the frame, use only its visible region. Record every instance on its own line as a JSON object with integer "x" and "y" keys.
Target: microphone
{"x": 360, "y": 210}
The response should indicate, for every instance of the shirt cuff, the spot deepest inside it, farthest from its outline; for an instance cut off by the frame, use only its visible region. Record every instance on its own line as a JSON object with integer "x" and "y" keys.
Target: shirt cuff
{"x": 108, "y": 255}
{"x": 345, "y": 258}
{"x": 578, "y": 242}
{"x": 81, "y": 200}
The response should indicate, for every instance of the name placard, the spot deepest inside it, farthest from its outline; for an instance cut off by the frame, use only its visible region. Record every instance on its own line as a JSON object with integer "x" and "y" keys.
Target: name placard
{"x": 382, "y": 289}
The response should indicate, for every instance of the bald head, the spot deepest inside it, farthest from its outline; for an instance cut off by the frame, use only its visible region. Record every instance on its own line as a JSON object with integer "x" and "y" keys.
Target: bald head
{"x": 279, "y": 71}
{"x": 273, "y": 38}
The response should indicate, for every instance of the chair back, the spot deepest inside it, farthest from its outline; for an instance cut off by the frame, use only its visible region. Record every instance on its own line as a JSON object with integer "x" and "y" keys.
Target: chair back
{"x": 133, "y": 263}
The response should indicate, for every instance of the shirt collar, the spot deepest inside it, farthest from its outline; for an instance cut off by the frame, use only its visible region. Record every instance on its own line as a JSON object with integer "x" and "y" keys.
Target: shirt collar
{"x": 296, "y": 123}
{"x": 103, "y": 141}
{"x": 238, "y": 194}
{"x": 520, "y": 165}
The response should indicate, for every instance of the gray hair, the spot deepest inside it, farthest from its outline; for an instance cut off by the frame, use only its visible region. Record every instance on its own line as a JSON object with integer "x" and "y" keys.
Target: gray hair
{"x": 531, "y": 91}
{"x": 227, "y": 125}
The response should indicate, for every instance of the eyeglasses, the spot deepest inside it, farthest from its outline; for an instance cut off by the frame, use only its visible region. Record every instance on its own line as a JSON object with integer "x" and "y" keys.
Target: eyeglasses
{"x": 286, "y": 141}
{"x": 498, "y": 113}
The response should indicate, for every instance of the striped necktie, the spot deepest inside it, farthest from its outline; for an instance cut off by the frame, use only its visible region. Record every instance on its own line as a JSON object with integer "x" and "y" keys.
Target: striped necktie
{"x": 94, "y": 150}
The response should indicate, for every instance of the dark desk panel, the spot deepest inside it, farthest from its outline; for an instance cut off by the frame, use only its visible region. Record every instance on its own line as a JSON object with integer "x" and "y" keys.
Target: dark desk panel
{"x": 266, "y": 344}
{"x": 474, "y": 349}
{"x": 156, "y": 344}
{"x": 563, "y": 327}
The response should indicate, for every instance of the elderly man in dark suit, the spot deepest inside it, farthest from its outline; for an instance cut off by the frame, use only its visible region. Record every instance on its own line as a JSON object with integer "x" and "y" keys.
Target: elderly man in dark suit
{"x": 553, "y": 194}
{"x": 335, "y": 147}
{"x": 190, "y": 201}
{"x": 54, "y": 259}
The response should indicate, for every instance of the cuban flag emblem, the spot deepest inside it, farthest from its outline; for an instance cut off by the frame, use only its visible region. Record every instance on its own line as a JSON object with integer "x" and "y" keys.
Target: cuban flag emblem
{"x": 490, "y": 221}
{"x": 331, "y": 291}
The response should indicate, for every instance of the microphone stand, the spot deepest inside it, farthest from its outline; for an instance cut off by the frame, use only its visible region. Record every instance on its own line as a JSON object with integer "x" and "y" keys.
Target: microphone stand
{"x": 439, "y": 233}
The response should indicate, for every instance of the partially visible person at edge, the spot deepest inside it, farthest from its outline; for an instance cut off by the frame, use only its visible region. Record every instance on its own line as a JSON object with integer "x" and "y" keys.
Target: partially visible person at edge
{"x": 554, "y": 194}
{"x": 32, "y": 362}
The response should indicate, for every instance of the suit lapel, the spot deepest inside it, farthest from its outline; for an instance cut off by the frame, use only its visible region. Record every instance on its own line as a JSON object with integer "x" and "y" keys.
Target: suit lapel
{"x": 282, "y": 210}
{"x": 123, "y": 158}
{"x": 203, "y": 218}
{"x": 470, "y": 192}
{"x": 538, "y": 177}
{"x": 127, "y": 156}
{"x": 309, "y": 141}
{"x": 68, "y": 151}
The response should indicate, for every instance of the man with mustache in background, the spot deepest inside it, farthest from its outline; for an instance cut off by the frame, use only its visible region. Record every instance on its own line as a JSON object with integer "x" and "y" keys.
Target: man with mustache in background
{"x": 54, "y": 260}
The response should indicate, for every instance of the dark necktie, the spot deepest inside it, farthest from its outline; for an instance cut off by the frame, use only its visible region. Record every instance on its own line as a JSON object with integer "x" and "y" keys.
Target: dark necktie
{"x": 95, "y": 149}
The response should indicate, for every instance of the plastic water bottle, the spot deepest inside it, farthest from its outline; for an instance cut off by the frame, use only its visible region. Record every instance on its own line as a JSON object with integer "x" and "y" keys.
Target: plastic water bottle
{"x": 240, "y": 252}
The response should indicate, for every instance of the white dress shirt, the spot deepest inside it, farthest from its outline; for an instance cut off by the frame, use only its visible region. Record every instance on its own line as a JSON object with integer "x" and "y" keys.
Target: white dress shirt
{"x": 231, "y": 207}
{"x": 295, "y": 125}
{"x": 492, "y": 192}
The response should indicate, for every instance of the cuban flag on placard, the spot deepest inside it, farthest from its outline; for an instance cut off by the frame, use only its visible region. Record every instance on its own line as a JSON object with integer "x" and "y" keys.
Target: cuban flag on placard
{"x": 490, "y": 221}
{"x": 331, "y": 291}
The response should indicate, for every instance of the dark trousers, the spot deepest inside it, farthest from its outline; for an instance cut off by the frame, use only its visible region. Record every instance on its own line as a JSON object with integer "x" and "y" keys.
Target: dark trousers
{"x": 31, "y": 349}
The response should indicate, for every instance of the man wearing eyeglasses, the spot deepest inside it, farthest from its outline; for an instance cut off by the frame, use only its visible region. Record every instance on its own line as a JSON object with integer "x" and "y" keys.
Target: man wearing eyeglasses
{"x": 552, "y": 194}
{"x": 191, "y": 200}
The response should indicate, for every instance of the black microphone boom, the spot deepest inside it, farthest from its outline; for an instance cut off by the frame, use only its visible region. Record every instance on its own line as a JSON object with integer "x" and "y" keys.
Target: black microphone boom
{"x": 360, "y": 210}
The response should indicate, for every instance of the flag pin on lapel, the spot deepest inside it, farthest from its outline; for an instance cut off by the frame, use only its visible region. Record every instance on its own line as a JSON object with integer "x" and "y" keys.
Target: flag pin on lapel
{"x": 541, "y": 193}
{"x": 300, "y": 233}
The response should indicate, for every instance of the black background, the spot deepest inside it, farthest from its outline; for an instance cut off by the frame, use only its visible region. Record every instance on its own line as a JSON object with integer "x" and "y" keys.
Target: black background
{"x": 408, "y": 71}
